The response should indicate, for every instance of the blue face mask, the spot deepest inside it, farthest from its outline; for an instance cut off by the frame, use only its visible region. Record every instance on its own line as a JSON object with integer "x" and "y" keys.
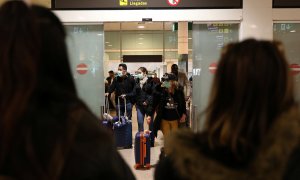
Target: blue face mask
{"x": 166, "y": 84}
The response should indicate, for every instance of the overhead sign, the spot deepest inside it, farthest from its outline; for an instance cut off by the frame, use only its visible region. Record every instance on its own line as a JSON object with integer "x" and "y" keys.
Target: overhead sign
{"x": 213, "y": 67}
{"x": 142, "y": 58}
{"x": 295, "y": 69}
{"x": 286, "y": 3}
{"x": 173, "y": 2}
{"x": 146, "y": 4}
{"x": 82, "y": 68}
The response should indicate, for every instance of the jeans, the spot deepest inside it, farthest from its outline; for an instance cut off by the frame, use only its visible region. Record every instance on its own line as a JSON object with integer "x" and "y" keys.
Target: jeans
{"x": 140, "y": 119}
{"x": 122, "y": 110}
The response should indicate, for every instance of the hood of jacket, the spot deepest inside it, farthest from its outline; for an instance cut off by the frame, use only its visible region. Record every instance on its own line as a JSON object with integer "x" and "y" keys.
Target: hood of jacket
{"x": 268, "y": 163}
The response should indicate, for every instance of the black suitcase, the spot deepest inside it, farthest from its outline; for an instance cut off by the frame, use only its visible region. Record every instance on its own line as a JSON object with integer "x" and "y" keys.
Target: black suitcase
{"x": 123, "y": 130}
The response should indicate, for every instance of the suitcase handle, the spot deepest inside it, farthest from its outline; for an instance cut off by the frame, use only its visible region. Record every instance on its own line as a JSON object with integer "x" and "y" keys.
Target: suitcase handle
{"x": 119, "y": 111}
{"x": 106, "y": 108}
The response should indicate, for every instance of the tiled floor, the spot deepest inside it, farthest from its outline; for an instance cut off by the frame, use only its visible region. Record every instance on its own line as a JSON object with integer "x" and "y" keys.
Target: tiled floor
{"x": 128, "y": 154}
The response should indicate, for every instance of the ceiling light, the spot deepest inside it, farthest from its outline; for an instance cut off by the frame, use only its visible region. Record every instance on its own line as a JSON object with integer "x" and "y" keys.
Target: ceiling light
{"x": 292, "y": 31}
{"x": 141, "y": 38}
{"x": 141, "y": 27}
{"x": 109, "y": 45}
{"x": 106, "y": 42}
{"x": 140, "y": 43}
{"x": 99, "y": 34}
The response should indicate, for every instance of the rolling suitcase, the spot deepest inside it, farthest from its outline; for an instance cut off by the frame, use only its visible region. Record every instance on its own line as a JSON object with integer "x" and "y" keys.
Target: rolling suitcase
{"x": 142, "y": 146}
{"x": 107, "y": 118}
{"x": 123, "y": 130}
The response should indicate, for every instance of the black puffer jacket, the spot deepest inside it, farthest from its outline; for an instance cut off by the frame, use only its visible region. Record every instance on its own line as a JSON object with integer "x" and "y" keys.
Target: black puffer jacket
{"x": 144, "y": 94}
{"x": 123, "y": 85}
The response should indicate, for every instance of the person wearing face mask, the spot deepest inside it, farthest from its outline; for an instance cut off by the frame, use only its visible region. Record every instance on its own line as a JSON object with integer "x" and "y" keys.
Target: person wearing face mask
{"x": 143, "y": 93}
{"x": 123, "y": 85}
{"x": 182, "y": 79}
{"x": 171, "y": 108}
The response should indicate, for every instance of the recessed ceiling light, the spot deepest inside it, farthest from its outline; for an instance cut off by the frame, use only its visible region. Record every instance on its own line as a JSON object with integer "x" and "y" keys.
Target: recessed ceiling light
{"x": 99, "y": 34}
{"x": 140, "y": 43}
{"x": 141, "y": 38}
{"x": 106, "y": 42}
{"x": 141, "y": 27}
{"x": 109, "y": 45}
{"x": 292, "y": 31}
{"x": 190, "y": 38}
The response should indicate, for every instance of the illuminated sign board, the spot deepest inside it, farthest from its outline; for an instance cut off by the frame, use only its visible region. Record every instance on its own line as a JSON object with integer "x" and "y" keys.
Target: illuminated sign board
{"x": 147, "y": 4}
{"x": 286, "y": 4}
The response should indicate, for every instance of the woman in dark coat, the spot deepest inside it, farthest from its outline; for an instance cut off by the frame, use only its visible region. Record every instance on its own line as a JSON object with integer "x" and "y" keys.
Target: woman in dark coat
{"x": 46, "y": 131}
{"x": 143, "y": 94}
{"x": 170, "y": 105}
{"x": 252, "y": 121}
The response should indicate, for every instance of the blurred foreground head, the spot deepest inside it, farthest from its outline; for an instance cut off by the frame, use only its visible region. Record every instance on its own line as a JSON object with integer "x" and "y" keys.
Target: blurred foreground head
{"x": 35, "y": 84}
{"x": 251, "y": 88}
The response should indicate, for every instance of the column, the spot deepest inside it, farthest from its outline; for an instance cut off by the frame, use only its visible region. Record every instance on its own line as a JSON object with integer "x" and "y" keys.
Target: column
{"x": 183, "y": 51}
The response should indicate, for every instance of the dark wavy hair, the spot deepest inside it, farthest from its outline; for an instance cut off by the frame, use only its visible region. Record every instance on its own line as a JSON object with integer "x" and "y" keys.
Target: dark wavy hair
{"x": 37, "y": 90}
{"x": 143, "y": 69}
{"x": 19, "y": 54}
{"x": 251, "y": 88}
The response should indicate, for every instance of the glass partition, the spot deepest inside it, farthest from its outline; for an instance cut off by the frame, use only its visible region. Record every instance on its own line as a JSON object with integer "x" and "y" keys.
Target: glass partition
{"x": 85, "y": 46}
{"x": 208, "y": 40}
{"x": 289, "y": 35}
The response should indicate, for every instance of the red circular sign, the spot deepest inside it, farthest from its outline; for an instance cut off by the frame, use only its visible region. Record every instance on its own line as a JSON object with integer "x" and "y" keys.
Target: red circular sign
{"x": 173, "y": 2}
{"x": 213, "y": 68}
{"x": 295, "y": 69}
{"x": 82, "y": 68}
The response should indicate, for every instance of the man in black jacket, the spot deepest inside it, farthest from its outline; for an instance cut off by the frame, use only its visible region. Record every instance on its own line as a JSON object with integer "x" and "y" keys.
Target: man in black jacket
{"x": 123, "y": 86}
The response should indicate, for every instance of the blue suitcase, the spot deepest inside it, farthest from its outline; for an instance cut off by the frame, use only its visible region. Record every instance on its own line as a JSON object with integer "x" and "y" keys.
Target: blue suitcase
{"x": 123, "y": 133}
{"x": 142, "y": 146}
{"x": 107, "y": 119}
{"x": 123, "y": 130}
{"x": 107, "y": 122}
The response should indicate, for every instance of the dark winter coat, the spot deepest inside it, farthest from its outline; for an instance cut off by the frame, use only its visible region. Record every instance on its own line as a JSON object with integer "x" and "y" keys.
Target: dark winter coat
{"x": 162, "y": 101}
{"x": 92, "y": 154}
{"x": 293, "y": 167}
{"x": 123, "y": 85}
{"x": 144, "y": 94}
{"x": 187, "y": 158}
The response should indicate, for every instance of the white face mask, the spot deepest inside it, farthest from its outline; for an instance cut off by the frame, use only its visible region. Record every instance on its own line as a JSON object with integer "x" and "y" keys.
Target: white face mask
{"x": 119, "y": 73}
{"x": 141, "y": 76}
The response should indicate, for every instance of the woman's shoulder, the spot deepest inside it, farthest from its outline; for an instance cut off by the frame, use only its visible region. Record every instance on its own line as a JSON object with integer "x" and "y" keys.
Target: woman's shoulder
{"x": 94, "y": 154}
{"x": 186, "y": 151}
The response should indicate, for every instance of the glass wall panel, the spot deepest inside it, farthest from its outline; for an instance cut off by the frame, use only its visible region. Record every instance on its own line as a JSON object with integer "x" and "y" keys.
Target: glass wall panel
{"x": 289, "y": 35}
{"x": 208, "y": 40}
{"x": 85, "y": 46}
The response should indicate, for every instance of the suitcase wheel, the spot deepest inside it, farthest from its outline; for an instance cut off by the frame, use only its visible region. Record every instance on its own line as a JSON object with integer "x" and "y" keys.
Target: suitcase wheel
{"x": 137, "y": 166}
